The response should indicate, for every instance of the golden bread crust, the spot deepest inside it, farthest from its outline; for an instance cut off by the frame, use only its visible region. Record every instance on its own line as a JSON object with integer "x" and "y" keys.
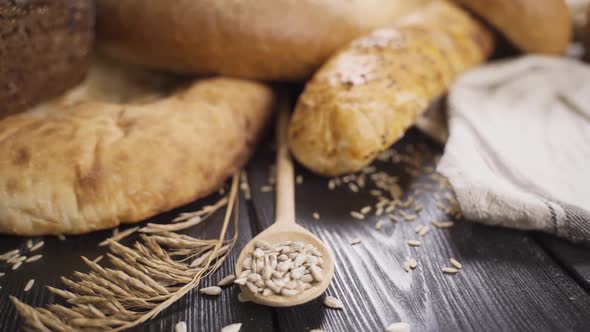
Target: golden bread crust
{"x": 78, "y": 165}
{"x": 535, "y": 26}
{"x": 367, "y": 95}
{"x": 262, "y": 39}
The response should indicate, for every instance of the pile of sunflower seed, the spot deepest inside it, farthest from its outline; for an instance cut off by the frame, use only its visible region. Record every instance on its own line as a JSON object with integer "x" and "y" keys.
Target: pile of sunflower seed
{"x": 286, "y": 269}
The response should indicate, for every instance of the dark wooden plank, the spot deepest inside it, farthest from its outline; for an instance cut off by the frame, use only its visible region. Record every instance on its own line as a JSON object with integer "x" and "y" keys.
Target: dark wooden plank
{"x": 201, "y": 313}
{"x": 508, "y": 282}
{"x": 575, "y": 258}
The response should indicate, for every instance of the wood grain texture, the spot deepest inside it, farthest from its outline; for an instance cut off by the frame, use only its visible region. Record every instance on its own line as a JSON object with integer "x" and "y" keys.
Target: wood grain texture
{"x": 201, "y": 312}
{"x": 508, "y": 282}
{"x": 574, "y": 258}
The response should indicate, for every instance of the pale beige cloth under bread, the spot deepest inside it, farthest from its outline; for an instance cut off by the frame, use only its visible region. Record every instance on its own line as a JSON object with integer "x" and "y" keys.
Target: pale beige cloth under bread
{"x": 518, "y": 154}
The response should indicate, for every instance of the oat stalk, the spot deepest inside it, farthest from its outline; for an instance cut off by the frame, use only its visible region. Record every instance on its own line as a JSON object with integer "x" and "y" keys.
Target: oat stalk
{"x": 139, "y": 281}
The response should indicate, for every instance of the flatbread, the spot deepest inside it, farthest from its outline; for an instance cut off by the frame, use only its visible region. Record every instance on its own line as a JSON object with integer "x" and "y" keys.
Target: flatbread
{"x": 123, "y": 147}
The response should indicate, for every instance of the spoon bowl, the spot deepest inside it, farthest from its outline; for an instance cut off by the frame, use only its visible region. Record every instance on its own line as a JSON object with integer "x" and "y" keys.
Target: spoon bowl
{"x": 279, "y": 233}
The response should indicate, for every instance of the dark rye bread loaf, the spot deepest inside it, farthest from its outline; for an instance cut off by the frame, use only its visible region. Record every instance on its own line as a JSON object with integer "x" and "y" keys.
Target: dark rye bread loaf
{"x": 45, "y": 47}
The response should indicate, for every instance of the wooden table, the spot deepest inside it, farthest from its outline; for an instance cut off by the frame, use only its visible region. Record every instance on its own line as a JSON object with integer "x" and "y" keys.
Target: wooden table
{"x": 511, "y": 280}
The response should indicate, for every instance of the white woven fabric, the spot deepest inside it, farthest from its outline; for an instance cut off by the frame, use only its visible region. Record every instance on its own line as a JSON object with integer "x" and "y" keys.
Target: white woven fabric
{"x": 518, "y": 154}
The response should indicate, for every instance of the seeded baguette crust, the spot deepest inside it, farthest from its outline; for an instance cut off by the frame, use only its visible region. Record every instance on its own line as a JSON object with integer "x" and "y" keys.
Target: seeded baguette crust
{"x": 366, "y": 96}
{"x": 118, "y": 150}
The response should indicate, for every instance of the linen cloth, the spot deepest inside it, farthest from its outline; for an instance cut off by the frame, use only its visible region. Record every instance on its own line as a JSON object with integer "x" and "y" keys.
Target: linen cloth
{"x": 518, "y": 154}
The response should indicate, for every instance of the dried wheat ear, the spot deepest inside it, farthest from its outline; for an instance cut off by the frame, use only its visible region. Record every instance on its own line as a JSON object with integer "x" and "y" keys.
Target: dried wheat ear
{"x": 142, "y": 280}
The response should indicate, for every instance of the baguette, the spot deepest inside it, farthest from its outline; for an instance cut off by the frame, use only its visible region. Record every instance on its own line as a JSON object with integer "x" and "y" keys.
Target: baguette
{"x": 366, "y": 96}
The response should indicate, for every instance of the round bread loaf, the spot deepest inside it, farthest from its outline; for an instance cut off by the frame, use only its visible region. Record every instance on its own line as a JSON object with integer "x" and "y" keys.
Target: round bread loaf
{"x": 123, "y": 147}
{"x": 44, "y": 49}
{"x": 535, "y": 26}
{"x": 262, "y": 39}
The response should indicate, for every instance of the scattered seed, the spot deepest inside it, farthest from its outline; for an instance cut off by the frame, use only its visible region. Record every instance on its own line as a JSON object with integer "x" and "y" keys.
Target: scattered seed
{"x": 232, "y": 328}
{"x": 333, "y": 302}
{"x": 355, "y": 241}
{"x": 299, "y": 179}
{"x": 316, "y": 216}
{"x": 61, "y": 237}
{"x": 2, "y": 274}
{"x": 33, "y": 258}
{"x": 213, "y": 290}
{"x": 419, "y": 228}
{"x": 266, "y": 189}
{"x": 379, "y": 224}
{"x": 29, "y": 243}
{"x": 331, "y": 185}
{"x": 456, "y": 263}
{"x": 398, "y": 327}
{"x": 17, "y": 265}
{"x": 180, "y": 327}
{"x": 37, "y": 246}
{"x": 423, "y": 231}
{"x": 393, "y": 218}
{"x": 366, "y": 209}
{"x": 357, "y": 215}
{"x": 29, "y": 285}
{"x": 316, "y": 330}
{"x": 443, "y": 224}
{"x": 414, "y": 243}
{"x": 353, "y": 187}
{"x": 9, "y": 254}
{"x": 228, "y": 280}
{"x": 450, "y": 270}
{"x": 413, "y": 263}
{"x": 406, "y": 266}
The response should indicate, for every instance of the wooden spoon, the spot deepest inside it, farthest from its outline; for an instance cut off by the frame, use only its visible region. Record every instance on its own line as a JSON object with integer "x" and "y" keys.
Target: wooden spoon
{"x": 285, "y": 228}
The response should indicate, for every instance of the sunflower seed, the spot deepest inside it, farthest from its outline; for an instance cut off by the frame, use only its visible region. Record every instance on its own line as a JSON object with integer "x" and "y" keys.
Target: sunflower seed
{"x": 443, "y": 224}
{"x": 398, "y": 327}
{"x": 423, "y": 231}
{"x": 357, "y": 215}
{"x": 33, "y": 258}
{"x": 379, "y": 224}
{"x": 264, "y": 245}
{"x": 228, "y": 280}
{"x": 366, "y": 209}
{"x": 253, "y": 288}
{"x": 456, "y": 263}
{"x": 213, "y": 290}
{"x": 299, "y": 179}
{"x": 333, "y": 302}
{"x": 289, "y": 292}
{"x": 406, "y": 266}
{"x": 180, "y": 327}
{"x": 355, "y": 242}
{"x": 266, "y": 189}
{"x": 29, "y": 285}
{"x": 232, "y": 328}
{"x": 414, "y": 243}
{"x": 450, "y": 270}
{"x": 316, "y": 273}
{"x": 37, "y": 246}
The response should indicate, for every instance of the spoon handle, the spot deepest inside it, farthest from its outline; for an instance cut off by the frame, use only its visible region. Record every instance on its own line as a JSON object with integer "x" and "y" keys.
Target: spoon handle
{"x": 285, "y": 191}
